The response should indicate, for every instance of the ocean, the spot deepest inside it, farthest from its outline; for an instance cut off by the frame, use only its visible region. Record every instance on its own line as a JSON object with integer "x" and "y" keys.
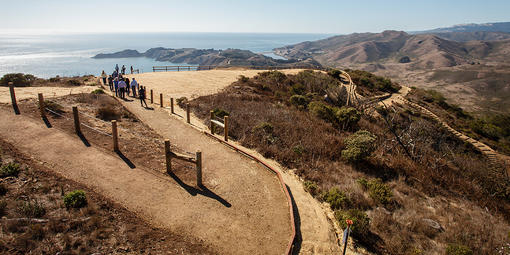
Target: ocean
{"x": 47, "y": 56}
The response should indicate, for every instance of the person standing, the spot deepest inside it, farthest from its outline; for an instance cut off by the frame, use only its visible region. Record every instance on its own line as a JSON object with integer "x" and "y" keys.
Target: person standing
{"x": 132, "y": 70}
{"x": 103, "y": 75}
{"x": 127, "y": 85}
{"x": 110, "y": 82}
{"x": 122, "y": 89}
{"x": 116, "y": 85}
{"x": 117, "y": 68}
{"x": 134, "y": 86}
{"x": 123, "y": 69}
{"x": 141, "y": 95}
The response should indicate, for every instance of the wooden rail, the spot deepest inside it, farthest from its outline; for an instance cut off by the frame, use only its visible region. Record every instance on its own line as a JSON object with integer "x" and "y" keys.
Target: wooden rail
{"x": 210, "y": 67}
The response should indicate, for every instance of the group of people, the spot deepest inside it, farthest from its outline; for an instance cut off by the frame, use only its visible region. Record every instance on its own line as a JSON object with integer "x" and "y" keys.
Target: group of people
{"x": 123, "y": 86}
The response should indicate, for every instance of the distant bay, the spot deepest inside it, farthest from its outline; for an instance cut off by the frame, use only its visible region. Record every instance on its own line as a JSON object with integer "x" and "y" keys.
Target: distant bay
{"x": 70, "y": 55}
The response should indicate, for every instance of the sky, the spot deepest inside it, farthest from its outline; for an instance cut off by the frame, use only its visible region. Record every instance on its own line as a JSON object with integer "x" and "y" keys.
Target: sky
{"x": 254, "y": 16}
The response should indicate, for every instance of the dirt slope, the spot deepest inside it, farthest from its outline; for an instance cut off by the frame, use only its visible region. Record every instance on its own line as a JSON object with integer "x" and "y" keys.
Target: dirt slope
{"x": 31, "y": 92}
{"x": 231, "y": 215}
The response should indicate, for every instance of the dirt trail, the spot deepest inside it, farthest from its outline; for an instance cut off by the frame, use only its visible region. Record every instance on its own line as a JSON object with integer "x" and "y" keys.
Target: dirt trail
{"x": 242, "y": 210}
{"x": 313, "y": 225}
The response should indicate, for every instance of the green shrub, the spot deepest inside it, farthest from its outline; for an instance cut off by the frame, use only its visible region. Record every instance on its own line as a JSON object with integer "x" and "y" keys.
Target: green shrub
{"x": 377, "y": 190}
{"x": 348, "y": 117}
{"x": 74, "y": 82}
{"x": 373, "y": 82}
{"x": 75, "y": 199}
{"x": 18, "y": 79}
{"x": 220, "y": 113}
{"x": 323, "y": 111}
{"x": 359, "y": 146}
{"x": 53, "y": 106}
{"x": 11, "y": 169}
{"x": 243, "y": 79}
{"x": 97, "y": 92}
{"x": 311, "y": 187}
{"x": 298, "y": 89}
{"x": 3, "y": 208}
{"x": 181, "y": 101}
{"x": 458, "y": 249}
{"x": 54, "y": 79}
{"x": 336, "y": 198}
{"x": 298, "y": 149}
{"x": 107, "y": 113}
{"x": 361, "y": 223}
{"x": 31, "y": 209}
{"x": 334, "y": 73}
{"x": 299, "y": 101}
{"x": 266, "y": 127}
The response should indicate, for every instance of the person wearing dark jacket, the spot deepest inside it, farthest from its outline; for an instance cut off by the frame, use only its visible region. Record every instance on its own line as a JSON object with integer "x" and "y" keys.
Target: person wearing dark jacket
{"x": 141, "y": 95}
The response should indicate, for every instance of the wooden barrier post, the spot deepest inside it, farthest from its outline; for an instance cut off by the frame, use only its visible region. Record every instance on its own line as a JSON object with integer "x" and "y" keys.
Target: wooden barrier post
{"x": 13, "y": 98}
{"x": 172, "y": 105}
{"x": 76, "y": 120}
{"x": 187, "y": 114}
{"x": 152, "y": 97}
{"x": 225, "y": 122}
{"x": 212, "y": 124}
{"x": 160, "y": 99}
{"x": 41, "y": 105}
{"x": 115, "y": 136}
{"x": 199, "y": 167}
{"x": 168, "y": 156}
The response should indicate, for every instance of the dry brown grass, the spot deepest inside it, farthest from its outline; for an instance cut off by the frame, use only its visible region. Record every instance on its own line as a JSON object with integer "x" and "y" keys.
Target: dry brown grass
{"x": 442, "y": 171}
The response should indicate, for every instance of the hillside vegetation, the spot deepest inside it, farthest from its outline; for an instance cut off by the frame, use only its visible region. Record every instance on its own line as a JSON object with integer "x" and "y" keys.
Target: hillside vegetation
{"x": 410, "y": 186}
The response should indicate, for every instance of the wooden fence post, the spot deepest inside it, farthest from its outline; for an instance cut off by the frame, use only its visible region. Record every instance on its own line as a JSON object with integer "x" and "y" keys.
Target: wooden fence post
{"x": 41, "y": 105}
{"x": 152, "y": 97}
{"x": 187, "y": 114}
{"x": 115, "y": 136}
{"x": 212, "y": 124}
{"x": 199, "y": 168}
{"x": 168, "y": 156}
{"x": 13, "y": 98}
{"x": 160, "y": 99}
{"x": 225, "y": 122}
{"x": 172, "y": 105}
{"x": 76, "y": 120}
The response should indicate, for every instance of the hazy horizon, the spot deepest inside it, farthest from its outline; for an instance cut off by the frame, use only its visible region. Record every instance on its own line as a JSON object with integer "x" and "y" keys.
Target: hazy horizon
{"x": 223, "y": 16}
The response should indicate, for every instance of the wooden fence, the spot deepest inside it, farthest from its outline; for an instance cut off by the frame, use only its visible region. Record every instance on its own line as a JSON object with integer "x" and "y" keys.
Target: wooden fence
{"x": 210, "y": 67}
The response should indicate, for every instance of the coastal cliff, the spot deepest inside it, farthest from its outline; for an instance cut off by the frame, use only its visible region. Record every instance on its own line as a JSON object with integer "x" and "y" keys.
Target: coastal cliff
{"x": 203, "y": 57}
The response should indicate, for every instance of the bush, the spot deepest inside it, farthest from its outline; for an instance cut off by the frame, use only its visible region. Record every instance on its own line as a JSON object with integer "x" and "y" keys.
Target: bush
{"x": 54, "y": 79}
{"x": 75, "y": 199}
{"x": 107, "y": 113}
{"x": 348, "y": 117}
{"x": 31, "y": 209}
{"x": 336, "y": 198}
{"x": 298, "y": 89}
{"x": 74, "y": 82}
{"x": 3, "y": 189}
{"x": 19, "y": 79}
{"x": 36, "y": 232}
{"x": 243, "y": 79}
{"x": 311, "y": 187}
{"x": 220, "y": 113}
{"x": 322, "y": 111}
{"x": 373, "y": 82}
{"x": 181, "y": 101}
{"x": 359, "y": 146}
{"x": 458, "y": 249}
{"x": 265, "y": 127}
{"x": 98, "y": 92}
{"x": 11, "y": 169}
{"x": 361, "y": 223}
{"x": 53, "y": 106}
{"x": 299, "y": 101}
{"x": 377, "y": 190}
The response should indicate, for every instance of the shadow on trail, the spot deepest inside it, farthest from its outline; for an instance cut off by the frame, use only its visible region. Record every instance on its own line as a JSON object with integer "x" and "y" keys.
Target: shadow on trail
{"x": 125, "y": 159}
{"x": 297, "y": 222}
{"x": 83, "y": 139}
{"x": 204, "y": 191}
{"x": 47, "y": 122}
